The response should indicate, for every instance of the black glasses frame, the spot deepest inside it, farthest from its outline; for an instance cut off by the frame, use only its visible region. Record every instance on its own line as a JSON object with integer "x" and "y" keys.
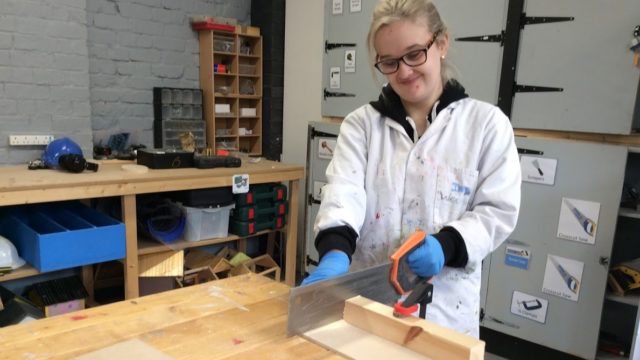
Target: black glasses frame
{"x": 402, "y": 58}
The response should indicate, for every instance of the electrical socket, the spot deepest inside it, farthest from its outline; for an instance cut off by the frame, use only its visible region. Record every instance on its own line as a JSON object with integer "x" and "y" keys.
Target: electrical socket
{"x": 17, "y": 140}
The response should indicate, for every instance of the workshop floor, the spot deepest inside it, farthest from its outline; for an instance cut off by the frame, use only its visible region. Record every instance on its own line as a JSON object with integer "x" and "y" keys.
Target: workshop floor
{"x": 488, "y": 356}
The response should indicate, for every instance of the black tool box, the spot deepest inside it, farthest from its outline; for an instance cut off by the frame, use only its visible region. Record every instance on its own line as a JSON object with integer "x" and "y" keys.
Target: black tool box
{"x": 165, "y": 159}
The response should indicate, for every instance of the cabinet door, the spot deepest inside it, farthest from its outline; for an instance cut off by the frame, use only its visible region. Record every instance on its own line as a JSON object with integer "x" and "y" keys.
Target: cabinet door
{"x": 546, "y": 283}
{"x": 350, "y": 79}
{"x": 589, "y": 58}
{"x": 478, "y": 63}
{"x": 320, "y": 145}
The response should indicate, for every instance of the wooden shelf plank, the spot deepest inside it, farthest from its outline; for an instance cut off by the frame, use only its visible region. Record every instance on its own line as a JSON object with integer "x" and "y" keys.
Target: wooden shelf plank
{"x": 148, "y": 246}
{"x": 630, "y": 213}
{"x": 633, "y": 300}
{"x": 22, "y": 272}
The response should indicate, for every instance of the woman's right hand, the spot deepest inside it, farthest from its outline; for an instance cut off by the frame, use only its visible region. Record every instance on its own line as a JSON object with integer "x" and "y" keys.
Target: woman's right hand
{"x": 333, "y": 263}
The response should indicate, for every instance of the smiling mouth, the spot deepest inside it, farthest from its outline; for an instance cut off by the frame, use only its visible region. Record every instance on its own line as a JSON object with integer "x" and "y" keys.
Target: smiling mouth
{"x": 409, "y": 80}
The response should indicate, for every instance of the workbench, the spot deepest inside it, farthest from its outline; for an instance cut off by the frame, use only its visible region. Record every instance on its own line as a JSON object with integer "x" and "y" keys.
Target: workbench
{"x": 238, "y": 317}
{"x": 18, "y": 185}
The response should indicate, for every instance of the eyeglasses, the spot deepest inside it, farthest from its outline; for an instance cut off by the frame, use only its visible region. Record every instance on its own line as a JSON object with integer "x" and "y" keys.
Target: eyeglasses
{"x": 412, "y": 58}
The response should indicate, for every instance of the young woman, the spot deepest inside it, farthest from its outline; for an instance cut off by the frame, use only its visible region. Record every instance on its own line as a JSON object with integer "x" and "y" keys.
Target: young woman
{"x": 423, "y": 156}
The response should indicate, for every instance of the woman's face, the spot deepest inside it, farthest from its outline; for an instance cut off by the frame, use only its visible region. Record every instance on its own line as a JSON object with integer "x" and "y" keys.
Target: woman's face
{"x": 419, "y": 83}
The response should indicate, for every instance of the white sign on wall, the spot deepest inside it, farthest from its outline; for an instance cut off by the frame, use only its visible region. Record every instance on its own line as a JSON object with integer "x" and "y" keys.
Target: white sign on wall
{"x": 578, "y": 220}
{"x": 336, "y": 8}
{"x": 325, "y": 147}
{"x": 355, "y": 5}
{"x": 529, "y": 306}
{"x": 334, "y": 78}
{"x": 562, "y": 277}
{"x": 538, "y": 170}
{"x": 350, "y": 61}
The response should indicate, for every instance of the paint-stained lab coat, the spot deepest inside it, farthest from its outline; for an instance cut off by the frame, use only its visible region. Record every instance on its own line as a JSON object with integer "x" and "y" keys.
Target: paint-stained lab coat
{"x": 463, "y": 172}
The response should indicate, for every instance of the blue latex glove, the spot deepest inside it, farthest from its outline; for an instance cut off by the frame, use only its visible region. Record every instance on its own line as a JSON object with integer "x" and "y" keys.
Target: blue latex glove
{"x": 427, "y": 259}
{"x": 332, "y": 264}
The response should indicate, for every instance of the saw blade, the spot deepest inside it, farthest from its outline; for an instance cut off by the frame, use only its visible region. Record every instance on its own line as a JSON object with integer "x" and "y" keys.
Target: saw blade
{"x": 321, "y": 303}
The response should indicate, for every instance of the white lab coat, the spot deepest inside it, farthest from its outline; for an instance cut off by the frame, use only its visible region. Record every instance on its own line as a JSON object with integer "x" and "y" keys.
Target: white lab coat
{"x": 463, "y": 172}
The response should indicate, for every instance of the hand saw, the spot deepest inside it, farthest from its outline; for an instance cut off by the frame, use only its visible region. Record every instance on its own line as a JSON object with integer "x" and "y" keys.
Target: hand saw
{"x": 321, "y": 303}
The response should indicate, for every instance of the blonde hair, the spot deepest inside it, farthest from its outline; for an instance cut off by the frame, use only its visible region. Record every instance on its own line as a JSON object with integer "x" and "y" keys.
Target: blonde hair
{"x": 389, "y": 11}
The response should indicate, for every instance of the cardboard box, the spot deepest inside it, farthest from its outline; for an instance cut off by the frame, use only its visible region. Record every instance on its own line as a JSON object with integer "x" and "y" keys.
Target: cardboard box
{"x": 248, "y": 112}
{"x": 58, "y": 296}
{"x": 222, "y": 108}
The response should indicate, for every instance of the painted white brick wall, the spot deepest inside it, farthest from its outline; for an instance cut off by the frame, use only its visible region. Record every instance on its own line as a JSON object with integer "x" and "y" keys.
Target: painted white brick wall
{"x": 86, "y": 68}
{"x": 43, "y": 74}
{"x": 135, "y": 45}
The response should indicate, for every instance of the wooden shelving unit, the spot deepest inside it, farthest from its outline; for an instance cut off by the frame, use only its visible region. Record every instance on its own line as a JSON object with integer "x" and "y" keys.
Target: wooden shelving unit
{"x": 19, "y": 186}
{"x": 231, "y": 77}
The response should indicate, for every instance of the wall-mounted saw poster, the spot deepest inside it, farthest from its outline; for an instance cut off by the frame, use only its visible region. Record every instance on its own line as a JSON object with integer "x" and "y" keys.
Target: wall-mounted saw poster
{"x": 529, "y": 306}
{"x": 562, "y": 277}
{"x": 538, "y": 170}
{"x": 578, "y": 220}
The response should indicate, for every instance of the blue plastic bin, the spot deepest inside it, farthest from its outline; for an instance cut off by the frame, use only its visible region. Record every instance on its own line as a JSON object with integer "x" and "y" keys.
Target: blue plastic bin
{"x": 63, "y": 235}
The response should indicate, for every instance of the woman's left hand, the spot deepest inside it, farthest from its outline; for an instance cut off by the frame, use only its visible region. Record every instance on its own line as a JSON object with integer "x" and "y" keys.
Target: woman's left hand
{"x": 427, "y": 259}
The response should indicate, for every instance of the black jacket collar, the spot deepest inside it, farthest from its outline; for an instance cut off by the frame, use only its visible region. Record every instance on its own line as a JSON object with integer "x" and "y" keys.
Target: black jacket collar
{"x": 389, "y": 104}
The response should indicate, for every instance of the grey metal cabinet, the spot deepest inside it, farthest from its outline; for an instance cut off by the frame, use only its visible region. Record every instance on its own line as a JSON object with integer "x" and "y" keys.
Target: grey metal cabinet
{"x": 320, "y": 145}
{"x": 546, "y": 283}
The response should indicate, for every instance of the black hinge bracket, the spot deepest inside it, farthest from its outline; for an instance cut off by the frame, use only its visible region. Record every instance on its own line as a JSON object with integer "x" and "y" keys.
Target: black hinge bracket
{"x": 311, "y": 261}
{"x": 533, "y": 20}
{"x": 533, "y": 88}
{"x": 315, "y": 133}
{"x": 330, "y": 46}
{"x": 499, "y": 38}
{"x": 328, "y": 93}
{"x": 530, "y": 152}
{"x": 311, "y": 200}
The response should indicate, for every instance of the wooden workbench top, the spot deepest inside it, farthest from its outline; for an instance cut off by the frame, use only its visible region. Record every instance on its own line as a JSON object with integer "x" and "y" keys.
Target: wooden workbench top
{"x": 18, "y": 185}
{"x": 240, "y": 317}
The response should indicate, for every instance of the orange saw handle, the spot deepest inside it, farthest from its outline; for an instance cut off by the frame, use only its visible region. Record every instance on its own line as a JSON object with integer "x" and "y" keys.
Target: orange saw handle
{"x": 411, "y": 243}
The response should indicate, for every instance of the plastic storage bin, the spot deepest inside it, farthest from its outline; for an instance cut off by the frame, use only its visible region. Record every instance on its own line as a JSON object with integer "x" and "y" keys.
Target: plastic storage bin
{"x": 262, "y": 192}
{"x": 223, "y": 44}
{"x": 207, "y": 223}
{"x": 63, "y": 235}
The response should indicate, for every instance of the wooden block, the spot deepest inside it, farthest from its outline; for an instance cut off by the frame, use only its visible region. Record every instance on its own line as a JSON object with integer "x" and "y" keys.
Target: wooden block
{"x": 198, "y": 258}
{"x": 265, "y": 265}
{"x": 64, "y": 307}
{"x": 168, "y": 263}
{"x": 261, "y": 265}
{"x": 355, "y": 343}
{"x": 239, "y": 270}
{"x": 432, "y": 340}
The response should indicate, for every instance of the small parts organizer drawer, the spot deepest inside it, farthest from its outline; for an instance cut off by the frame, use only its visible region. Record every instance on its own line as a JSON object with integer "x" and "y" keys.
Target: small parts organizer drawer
{"x": 62, "y": 235}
